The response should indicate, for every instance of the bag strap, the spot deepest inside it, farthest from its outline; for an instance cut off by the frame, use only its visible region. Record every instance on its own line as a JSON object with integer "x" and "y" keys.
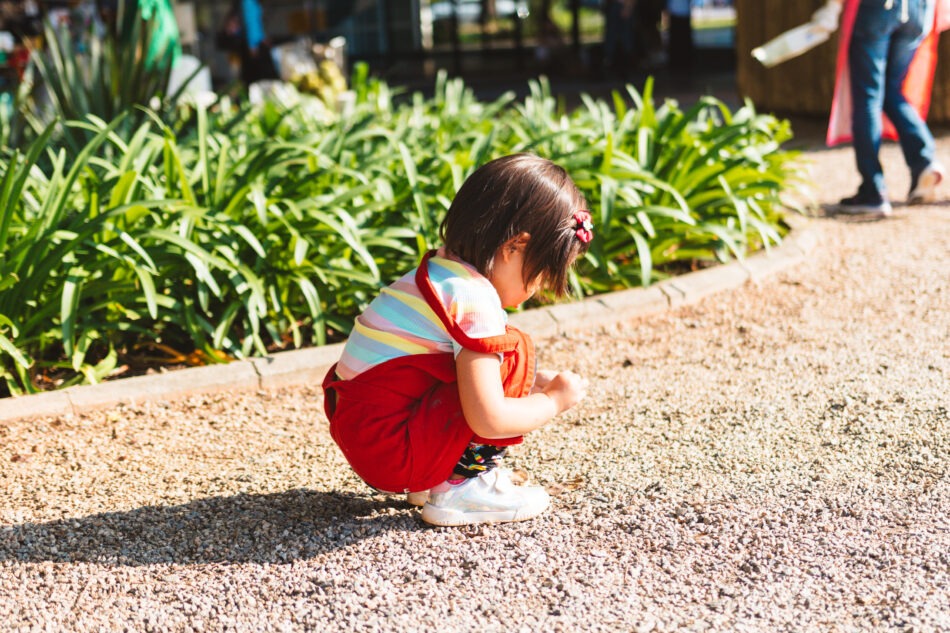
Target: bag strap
{"x": 489, "y": 345}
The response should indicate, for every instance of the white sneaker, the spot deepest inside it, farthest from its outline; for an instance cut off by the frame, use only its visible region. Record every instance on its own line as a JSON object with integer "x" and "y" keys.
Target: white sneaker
{"x": 417, "y": 498}
{"x": 925, "y": 189}
{"x": 489, "y": 498}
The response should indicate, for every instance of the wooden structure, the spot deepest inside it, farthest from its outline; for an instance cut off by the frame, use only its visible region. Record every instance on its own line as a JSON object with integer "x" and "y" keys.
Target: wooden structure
{"x": 805, "y": 85}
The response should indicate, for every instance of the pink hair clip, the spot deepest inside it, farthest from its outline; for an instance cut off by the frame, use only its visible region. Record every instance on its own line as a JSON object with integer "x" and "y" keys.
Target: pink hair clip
{"x": 584, "y": 229}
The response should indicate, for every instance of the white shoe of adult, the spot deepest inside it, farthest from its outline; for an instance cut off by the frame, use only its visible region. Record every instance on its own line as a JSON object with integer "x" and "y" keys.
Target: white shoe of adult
{"x": 489, "y": 498}
{"x": 924, "y": 190}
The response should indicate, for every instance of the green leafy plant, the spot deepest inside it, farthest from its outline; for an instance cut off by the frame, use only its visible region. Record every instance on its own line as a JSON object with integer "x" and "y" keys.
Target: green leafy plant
{"x": 63, "y": 272}
{"x": 240, "y": 230}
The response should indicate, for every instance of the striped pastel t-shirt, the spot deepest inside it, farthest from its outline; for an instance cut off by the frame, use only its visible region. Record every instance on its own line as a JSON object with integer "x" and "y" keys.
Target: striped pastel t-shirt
{"x": 400, "y": 323}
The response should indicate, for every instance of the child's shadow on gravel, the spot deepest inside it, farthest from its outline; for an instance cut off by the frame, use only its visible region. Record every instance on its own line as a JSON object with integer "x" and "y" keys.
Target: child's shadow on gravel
{"x": 270, "y": 528}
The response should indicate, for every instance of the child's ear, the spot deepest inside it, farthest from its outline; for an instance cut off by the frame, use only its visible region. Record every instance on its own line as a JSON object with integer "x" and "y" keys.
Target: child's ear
{"x": 518, "y": 243}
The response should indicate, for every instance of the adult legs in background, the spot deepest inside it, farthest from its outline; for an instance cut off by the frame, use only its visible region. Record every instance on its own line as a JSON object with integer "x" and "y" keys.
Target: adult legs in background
{"x": 868, "y": 57}
{"x": 882, "y": 48}
{"x": 916, "y": 140}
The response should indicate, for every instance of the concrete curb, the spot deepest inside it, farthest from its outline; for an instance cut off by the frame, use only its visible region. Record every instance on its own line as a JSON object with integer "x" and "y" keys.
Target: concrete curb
{"x": 308, "y": 366}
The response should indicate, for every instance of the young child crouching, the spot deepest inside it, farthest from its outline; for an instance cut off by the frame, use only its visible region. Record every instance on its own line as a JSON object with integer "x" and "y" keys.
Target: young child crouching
{"x": 433, "y": 385}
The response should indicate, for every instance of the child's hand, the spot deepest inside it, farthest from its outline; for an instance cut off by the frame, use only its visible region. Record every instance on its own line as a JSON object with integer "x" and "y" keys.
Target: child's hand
{"x": 542, "y": 378}
{"x": 566, "y": 389}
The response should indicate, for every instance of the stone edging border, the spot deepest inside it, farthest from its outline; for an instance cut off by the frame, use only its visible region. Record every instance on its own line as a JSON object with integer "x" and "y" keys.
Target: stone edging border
{"x": 309, "y": 365}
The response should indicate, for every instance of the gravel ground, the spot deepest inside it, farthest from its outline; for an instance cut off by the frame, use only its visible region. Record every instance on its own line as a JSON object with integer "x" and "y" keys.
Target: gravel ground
{"x": 774, "y": 458}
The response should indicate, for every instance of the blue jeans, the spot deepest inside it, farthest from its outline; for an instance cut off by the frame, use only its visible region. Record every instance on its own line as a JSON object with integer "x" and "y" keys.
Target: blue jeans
{"x": 881, "y": 51}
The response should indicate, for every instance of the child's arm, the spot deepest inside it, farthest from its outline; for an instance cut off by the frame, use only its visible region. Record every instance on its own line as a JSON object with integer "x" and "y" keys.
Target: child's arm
{"x": 492, "y": 415}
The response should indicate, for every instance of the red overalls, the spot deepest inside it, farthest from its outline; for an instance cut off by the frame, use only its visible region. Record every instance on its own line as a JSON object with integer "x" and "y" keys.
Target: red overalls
{"x": 400, "y": 424}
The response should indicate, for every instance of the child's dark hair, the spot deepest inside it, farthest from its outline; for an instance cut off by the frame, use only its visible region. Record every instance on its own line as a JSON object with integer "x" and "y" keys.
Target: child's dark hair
{"x": 521, "y": 193}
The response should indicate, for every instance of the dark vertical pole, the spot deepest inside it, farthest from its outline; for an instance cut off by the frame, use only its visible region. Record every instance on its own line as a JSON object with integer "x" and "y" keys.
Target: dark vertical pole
{"x": 483, "y": 23}
{"x": 384, "y": 30}
{"x": 519, "y": 40}
{"x": 576, "y": 25}
{"x": 456, "y": 41}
